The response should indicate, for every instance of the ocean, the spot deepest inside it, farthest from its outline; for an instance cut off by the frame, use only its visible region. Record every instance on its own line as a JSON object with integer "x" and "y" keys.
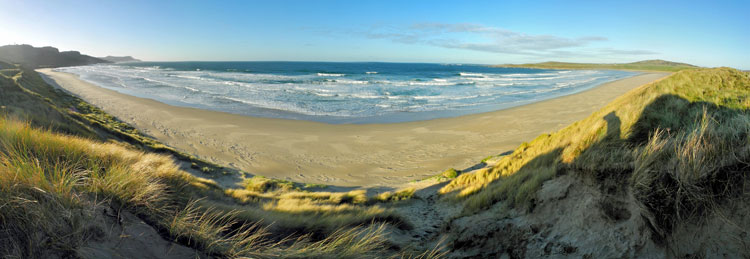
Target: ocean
{"x": 334, "y": 92}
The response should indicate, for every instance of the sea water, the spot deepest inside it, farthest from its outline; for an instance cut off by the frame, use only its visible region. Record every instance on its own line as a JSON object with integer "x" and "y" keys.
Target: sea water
{"x": 334, "y": 92}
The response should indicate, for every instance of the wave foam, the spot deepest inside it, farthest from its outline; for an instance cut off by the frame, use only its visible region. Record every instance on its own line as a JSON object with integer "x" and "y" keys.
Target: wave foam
{"x": 330, "y": 74}
{"x": 467, "y": 74}
{"x": 352, "y": 94}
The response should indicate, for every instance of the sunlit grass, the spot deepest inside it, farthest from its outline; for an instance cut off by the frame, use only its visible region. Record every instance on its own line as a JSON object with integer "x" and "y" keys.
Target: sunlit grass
{"x": 399, "y": 195}
{"x": 59, "y": 180}
{"x": 612, "y": 141}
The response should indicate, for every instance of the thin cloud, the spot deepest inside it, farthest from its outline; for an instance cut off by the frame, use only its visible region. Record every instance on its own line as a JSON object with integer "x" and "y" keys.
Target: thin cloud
{"x": 626, "y": 52}
{"x": 477, "y": 37}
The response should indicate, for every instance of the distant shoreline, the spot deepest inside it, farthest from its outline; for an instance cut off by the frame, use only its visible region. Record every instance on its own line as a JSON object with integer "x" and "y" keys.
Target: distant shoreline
{"x": 346, "y": 154}
{"x": 656, "y": 65}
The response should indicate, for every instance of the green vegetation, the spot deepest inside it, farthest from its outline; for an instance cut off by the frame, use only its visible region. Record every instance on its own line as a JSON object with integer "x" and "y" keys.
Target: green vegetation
{"x": 647, "y": 65}
{"x": 445, "y": 175}
{"x": 27, "y": 97}
{"x": 35, "y": 104}
{"x": 681, "y": 144}
{"x": 51, "y": 186}
{"x": 400, "y": 195}
{"x": 294, "y": 206}
{"x": 450, "y": 173}
{"x": 263, "y": 184}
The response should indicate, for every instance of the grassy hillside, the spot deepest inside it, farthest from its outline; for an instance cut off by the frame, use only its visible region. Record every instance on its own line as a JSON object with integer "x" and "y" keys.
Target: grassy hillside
{"x": 647, "y": 65}
{"x": 65, "y": 166}
{"x": 32, "y": 57}
{"x": 27, "y": 97}
{"x": 35, "y": 104}
{"x": 680, "y": 145}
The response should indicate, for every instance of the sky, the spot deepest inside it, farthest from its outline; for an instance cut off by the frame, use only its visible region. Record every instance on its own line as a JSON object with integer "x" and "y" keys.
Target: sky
{"x": 704, "y": 33}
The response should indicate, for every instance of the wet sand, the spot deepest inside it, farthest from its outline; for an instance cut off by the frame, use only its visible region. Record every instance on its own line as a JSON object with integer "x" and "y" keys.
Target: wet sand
{"x": 346, "y": 154}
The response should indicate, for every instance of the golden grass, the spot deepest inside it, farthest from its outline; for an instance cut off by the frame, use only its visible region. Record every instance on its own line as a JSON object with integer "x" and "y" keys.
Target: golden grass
{"x": 27, "y": 97}
{"x": 685, "y": 175}
{"x": 321, "y": 212}
{"x": 400, "y": 195}
{"x": 263, "y": 184}
{"x": 602, "y": 145}
{"x": 50, "y": 183}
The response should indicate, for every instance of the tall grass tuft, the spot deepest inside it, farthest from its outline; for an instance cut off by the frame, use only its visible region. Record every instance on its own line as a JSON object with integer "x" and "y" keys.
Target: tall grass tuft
{"x": 685, "y": 175}
{"x": 679, "y": 141}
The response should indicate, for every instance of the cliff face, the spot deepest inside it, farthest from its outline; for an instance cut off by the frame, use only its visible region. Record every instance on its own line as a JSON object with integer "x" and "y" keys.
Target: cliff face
{"x": 32, "y": 57}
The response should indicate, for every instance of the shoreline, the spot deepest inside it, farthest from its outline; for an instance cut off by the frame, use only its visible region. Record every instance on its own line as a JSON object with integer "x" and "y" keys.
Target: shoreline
{"x": 366, "y": 155}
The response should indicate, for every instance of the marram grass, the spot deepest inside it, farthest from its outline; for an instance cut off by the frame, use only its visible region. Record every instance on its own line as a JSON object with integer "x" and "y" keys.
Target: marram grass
{"x": 51, "y": 186}
{"x": 674, "y": 141}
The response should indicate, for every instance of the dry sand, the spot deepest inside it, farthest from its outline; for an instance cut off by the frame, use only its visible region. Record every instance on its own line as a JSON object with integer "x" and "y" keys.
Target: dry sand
{"x": 346, "y": 155}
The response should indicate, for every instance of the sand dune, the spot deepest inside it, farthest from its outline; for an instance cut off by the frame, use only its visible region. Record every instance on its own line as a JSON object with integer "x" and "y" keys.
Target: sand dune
{"x": 346, "y": 155}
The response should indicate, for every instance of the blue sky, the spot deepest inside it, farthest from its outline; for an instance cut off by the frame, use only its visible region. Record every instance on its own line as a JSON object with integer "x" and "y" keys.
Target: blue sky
{"x": 706, "y": 33}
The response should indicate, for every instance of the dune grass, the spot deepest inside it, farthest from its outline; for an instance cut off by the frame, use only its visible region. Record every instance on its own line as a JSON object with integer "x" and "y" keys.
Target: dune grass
{"x": 681, "y": 143}
{"x": 319, "y": 213}
{"x": 24, "y": 103}
{"x": 51, "y": 185}
{"x": 52, "y": 173}
{"x": 446, "y": 175}
{"x": 399, "y": 195}
{"x": 294, "y": 206}
{"x": 687, "y": 174}
{"x": 28, "y": 97}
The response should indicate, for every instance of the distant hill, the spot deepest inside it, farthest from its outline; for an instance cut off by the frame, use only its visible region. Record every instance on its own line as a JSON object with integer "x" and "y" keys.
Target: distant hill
{"x": 659, "y": 62}
{"x": 650, "y": 65}
{"x": 120, "y": 59}
{"x": 32, "y": 57}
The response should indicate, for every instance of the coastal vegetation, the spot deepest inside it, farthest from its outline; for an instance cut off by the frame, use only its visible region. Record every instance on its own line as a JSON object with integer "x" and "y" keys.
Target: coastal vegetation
{"x": 29, "y": 98}
{"x": 646, "y": 65}
{"x": 679, "y": 144}
{"x": 55, "y": 188}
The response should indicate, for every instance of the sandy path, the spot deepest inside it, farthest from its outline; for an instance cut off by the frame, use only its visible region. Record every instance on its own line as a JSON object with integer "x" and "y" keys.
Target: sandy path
{"x": 346, "y": 155}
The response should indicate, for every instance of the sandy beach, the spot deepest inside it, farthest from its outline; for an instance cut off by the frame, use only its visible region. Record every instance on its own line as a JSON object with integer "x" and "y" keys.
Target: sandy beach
{"x": 346, "y": 155}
